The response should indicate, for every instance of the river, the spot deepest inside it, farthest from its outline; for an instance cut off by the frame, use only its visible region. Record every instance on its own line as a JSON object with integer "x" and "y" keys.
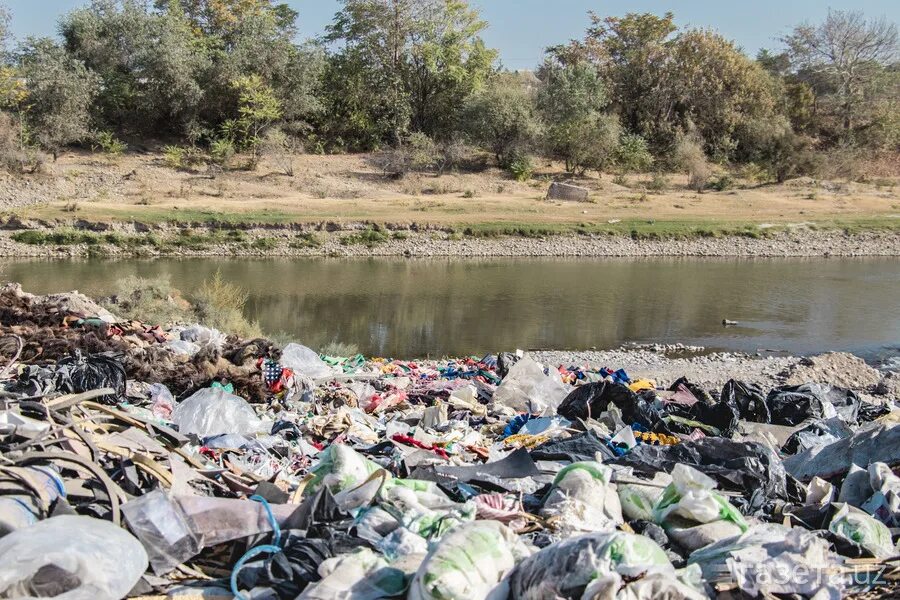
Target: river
{"x": 407, "y": 308}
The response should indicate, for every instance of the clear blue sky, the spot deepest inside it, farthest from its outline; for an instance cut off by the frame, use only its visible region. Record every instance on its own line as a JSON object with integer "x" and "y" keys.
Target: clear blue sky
{"x": 521, "y": 29}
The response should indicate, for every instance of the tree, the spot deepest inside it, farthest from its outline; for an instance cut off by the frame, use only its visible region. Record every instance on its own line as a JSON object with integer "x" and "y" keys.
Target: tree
{"x": 60, "y": 92}
{"x": 502, "y": 117}
{"x": 846, "y": 51}
{"x": 407, "y": 65}
{"x": 571, "y": 99}
{"x": 716, "y": 88}
{"x": 150, "y": 64}
{"x": 632, "y": 54}
{"x": 258, "y": 108}
{"x": 222, "y": 18}
{"x": 632, "y": 154}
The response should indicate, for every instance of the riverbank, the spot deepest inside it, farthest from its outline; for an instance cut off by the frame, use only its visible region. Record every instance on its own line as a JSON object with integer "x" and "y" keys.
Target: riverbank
{"x": 87, "y": 239}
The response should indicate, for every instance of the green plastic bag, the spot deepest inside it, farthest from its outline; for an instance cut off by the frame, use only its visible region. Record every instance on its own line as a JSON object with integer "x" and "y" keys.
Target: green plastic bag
{"x": 469, "y": 563}
{"x": 855, "y": 525}
{"x": 690, "y": 497}
{"x": 340, "y": 468}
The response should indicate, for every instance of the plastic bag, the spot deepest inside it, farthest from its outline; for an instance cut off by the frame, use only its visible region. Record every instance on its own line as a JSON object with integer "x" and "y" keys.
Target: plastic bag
{"x": 162, "y": 403}
{"x": 583, "y": 499}
{"x": 163, "y": 529}
{"x": 793, "y": 404}
{"x": 360, "y": 575}
{"x": 70, "y": 558}
{"x": 765, "y": 559}
{"x": 210, "y": 412}
{"x": 855, "y": 525}
{"x": 884, "y": 504}
{"x": 563, "y": 569}
{"x": 469, "y": 563}
{"x": 339, "y": 468}
{"x": 203, "y": 336}
{"x": 749, "y": 400}
{"x": 592, "y": 399}
{"x": 183, "y": 348}
{"x": 638, "y": 500}
{"x": 693, "y": 513}
{"x": 875, "y": 442}
{"x": 527, "y": 389}
{"x": 691, "y": 496}
{"x": 304, "y": 361}
{"x": 817, "y": 433}
{"x": 76, "y": 374}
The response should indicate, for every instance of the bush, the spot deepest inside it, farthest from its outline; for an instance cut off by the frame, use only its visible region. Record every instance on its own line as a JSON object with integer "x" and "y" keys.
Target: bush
{"x": 521, "y": 167}
{"x": 417, "y": 153}
{"x": 339, "y": 349}
{"x": 107, "y": 143}
{"x": 15, "y": 155}
{"x": 221, "y": 151}
{"x": 689, "y": 155}
{"x": 722, "y": 183}
{"x": 632, "y": 155}
{"x": 220, "y": 304}
{"x": 369, "y": 238}
{"x": 264, "y": 244}
{"x": 658, "y": 184}
{"x": 280, "y": 148}
{"x": 181, "y": 157}
{"x": 151, "y": 301}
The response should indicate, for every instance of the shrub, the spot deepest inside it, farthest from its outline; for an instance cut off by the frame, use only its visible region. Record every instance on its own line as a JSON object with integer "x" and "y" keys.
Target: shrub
{"x": 369, "y": 238}
{"x": 689, "y": 155}
{"x": 521, "y": 167}
{"x": 658, "y": 183}
{"x": 151, "y": 301}
{"x": 280, "y": 148}
{"x": 306, "y": 240}
{"x": 722, "y": 183}
{"x": 221, "y": 151}
{"x": 181, "y": 157}
{"x": 220, "y": 304}
{"x": 264, "y": 244}
{"x": 632, "y": 155}
{"x": 341, "y": 349}
{"x": 107, "y": 143}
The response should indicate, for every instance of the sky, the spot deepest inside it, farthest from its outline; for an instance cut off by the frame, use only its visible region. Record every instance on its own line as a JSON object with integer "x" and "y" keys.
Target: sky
{"x": 521, "y": 29}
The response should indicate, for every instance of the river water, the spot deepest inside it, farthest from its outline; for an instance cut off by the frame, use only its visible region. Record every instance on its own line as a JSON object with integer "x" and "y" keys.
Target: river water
{"x": 403, "y": 307}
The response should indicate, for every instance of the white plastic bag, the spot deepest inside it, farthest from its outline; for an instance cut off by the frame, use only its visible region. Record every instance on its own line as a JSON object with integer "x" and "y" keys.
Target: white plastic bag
{"x": 469, "y": 563}
{"x": 162, "y": 402}
{"x": 527, "y": 389}
{"x": 183, "y": 348}
{"x": 583, "y": 499}
{"x": 304, "y": 361}
{"x": 203, "y": 336}
{"x": 340, "y": 468}
{"x": 102, "y": 561}
{"x": 213, "y": 411}
{"x": 558, "y": 569}
{"x": 855, "y": 525}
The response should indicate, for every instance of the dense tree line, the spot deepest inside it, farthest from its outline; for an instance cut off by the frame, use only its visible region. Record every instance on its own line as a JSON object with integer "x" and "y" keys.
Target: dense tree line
{"x": 415, "y": 80}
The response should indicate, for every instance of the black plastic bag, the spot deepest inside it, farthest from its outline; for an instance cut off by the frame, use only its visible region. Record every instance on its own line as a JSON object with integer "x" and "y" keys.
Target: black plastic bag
{"x": 817, "y": 433}
{"x": 577, "y": 448}
{"x": 289, "y": 572}
{"x": 745, "y": 467}
{"x": 749, "y": 400}
{"x": 794, "y": 404}
{"x": 593, "y": 398}
{"x": 505, "y": 361}
{"x": 78, "y": 373}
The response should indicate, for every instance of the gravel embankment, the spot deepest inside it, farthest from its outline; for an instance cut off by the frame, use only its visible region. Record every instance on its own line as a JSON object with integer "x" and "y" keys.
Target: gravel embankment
{"x": 799, "y": 242}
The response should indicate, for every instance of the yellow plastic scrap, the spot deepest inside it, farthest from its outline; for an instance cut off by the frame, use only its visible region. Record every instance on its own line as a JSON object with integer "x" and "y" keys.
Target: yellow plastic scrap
{"x": 524, "y": 440}
{"x": 642, "y": 384}
{"x": 656, "y": 439}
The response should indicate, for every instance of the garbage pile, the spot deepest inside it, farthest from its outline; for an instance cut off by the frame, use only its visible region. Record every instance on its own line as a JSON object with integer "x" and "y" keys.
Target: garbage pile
{"x": 141, "y": 461}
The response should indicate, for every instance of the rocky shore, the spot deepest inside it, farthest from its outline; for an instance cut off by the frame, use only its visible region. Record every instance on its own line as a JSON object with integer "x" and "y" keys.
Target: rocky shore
{"x": 358, "y": 241}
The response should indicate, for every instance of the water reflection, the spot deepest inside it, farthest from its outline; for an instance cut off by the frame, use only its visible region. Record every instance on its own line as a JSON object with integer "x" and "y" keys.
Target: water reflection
{"x": 435, "y": 307}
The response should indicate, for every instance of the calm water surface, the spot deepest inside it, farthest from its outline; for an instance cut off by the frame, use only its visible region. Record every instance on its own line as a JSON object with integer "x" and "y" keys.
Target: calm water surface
{"x": 402, "y": 307}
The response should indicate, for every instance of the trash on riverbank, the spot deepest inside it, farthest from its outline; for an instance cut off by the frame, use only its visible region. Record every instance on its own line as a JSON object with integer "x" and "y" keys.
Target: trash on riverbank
{"x": 134, "y": 465}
